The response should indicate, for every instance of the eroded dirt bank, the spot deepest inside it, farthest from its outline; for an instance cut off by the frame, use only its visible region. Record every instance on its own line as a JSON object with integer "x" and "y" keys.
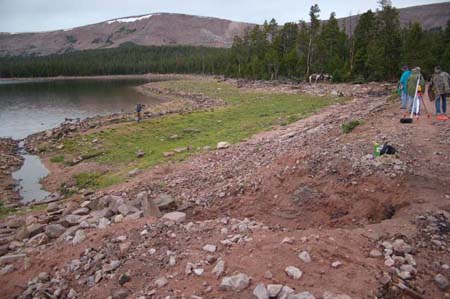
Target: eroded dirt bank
{"x": 301, "y": 211}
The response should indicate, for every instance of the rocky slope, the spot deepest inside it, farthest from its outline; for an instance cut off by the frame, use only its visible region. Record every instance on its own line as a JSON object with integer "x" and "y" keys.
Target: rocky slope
{"x": 299, "y": 212}
{"x": 430, "y": 16}
{"x": 148, "y": 30}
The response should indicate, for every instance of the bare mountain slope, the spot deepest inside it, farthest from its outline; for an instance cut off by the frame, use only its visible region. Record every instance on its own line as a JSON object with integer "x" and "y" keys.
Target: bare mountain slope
{"x": 430, "y": 16}
{"x": 152, "y": 29}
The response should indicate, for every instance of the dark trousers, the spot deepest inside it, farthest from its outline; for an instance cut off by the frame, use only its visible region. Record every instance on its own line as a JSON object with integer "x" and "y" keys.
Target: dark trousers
{"x": 442, "y": 97}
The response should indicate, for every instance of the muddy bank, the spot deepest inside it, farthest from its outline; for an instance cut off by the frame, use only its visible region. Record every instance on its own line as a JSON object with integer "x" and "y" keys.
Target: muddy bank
{"x": 10, "y": 161}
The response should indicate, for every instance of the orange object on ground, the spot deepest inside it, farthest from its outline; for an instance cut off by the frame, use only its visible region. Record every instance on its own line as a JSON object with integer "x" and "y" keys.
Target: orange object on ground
{"x": 442, "y": 117}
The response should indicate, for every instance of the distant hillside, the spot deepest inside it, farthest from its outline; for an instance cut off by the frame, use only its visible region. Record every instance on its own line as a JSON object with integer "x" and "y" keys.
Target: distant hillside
{"x": 147, "y": 30}
{"x": 172, "y": 29}
{"x": 430, "y": 16}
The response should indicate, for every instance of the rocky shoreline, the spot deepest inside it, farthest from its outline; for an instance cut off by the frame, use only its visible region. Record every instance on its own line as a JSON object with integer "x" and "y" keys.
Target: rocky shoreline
{"x": 10, "y": 161}
{"x": 177, "y": 103}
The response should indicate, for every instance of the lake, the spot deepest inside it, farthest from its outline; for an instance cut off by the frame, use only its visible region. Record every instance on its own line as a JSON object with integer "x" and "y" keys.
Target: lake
{"x": 28, "y": 107}
{"x": 31, "y": 107}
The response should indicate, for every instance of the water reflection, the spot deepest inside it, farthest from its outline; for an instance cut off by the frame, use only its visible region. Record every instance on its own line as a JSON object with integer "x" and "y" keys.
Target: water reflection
{"x": 32, "y": 107}
{"x": 29, "y": 177}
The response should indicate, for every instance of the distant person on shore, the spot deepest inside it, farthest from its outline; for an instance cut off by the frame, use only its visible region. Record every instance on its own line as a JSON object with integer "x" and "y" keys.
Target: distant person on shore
{"x": 414, "y": 78}
{"x": 139, "y": 107}
{"x": 403, "y": 86}
{"x": 440, "y": 84}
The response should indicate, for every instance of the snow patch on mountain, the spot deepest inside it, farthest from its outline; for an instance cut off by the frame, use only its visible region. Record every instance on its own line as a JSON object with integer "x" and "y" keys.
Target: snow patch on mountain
{"x": 130, "y": 19}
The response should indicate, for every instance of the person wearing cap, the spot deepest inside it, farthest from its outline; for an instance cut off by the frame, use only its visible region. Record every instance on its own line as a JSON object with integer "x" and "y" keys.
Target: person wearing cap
{"x": 415, "y": 77}
{"x": 440, "y": 85}
{"x": 402, "y": 86}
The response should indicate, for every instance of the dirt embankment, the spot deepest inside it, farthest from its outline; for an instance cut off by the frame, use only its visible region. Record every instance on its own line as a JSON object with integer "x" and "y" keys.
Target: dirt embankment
{"x": 10, "y": 161}
{"x": 301, "y": 211}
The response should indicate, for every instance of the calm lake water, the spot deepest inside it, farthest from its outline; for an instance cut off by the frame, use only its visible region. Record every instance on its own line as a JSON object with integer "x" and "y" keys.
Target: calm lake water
{"x": 30, "y": 107}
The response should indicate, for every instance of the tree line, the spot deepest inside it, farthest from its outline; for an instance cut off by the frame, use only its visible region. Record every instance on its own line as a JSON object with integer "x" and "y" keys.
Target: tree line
{"x": 127, "y": 59}
{"x": 372, "y": 51}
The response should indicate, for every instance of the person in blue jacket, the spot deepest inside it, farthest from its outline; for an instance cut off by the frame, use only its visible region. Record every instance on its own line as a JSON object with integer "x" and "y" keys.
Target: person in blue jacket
{"x": 403, "y": 86}
{"x": 139, "y": 112}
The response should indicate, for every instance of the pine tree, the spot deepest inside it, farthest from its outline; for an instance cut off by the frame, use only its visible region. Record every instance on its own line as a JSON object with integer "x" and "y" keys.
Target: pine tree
{"x": 414, "y": 46}
{"x": 364, "y": 33}
{"x": 314, "y": 29}
{"x": 332, "y": 48}
{"x": 302, "y": 49}
{"x": 388, "y": 37}
{"x": 445, "y": 64}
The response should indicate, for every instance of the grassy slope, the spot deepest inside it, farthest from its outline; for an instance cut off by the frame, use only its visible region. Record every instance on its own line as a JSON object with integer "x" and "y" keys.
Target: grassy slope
{"x": 249, "y": 112}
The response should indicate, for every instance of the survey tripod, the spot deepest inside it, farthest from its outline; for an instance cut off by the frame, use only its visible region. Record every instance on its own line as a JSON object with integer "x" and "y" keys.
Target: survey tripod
{"x": 416, "y": 104}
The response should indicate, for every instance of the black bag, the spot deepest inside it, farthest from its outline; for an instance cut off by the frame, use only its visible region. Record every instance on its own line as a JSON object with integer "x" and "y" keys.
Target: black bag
{"x": 387, "y": 149}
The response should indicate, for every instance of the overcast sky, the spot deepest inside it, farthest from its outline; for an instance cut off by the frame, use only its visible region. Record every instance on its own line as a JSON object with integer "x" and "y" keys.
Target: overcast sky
{"x": 43, "y": 15}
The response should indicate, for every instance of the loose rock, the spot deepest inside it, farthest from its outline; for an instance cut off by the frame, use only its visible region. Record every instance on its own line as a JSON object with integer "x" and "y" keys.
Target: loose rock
{"x": 236, "y": 283}
{"x": 293, "y": 272}
{"x": 261, "y": 292}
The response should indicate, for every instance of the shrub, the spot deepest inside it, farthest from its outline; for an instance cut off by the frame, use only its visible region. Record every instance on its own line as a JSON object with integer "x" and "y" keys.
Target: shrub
{"x": 350, "y": 126}
{"x": 57, "y": 159}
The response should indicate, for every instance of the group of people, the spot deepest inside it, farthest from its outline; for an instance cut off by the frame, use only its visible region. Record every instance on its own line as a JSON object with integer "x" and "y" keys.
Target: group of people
{"x": 412, "y": 82}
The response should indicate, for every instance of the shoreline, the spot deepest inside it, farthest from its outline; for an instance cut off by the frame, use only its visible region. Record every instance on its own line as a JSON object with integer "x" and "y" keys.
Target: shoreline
{"x": 11, "y": 161}
{"x": 174, "y": 103}
{"x": 105, "y": 77}
{"x": 10, "y": 155}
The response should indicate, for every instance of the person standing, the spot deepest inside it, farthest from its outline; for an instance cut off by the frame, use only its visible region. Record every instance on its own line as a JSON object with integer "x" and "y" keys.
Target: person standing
{"x": 403, "y": 86}
{"x": 416, "y": 83}
{"x": 440, "y": 84}
{"x": 138, "y": 112}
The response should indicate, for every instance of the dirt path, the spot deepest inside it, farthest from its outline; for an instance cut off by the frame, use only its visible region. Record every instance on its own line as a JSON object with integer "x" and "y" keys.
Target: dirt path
{"x": 305, "y": 187}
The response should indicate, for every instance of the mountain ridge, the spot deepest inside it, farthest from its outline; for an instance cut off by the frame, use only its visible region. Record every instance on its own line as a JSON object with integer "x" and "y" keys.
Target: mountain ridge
{"x": 159, "y": 29}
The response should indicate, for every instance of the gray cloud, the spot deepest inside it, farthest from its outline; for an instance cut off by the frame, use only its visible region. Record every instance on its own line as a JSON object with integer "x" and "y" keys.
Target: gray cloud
{"x": 43, "y": 15}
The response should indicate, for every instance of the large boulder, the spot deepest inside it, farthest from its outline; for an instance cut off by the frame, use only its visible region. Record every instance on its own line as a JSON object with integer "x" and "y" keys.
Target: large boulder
{"x": 53, "y": 231}
{"x": 35, "y": 228}
{"x": 70, "y": 220}
{"x": 104, "y": 213}
{"x": 149, "y": 208}
{"x": 29, "y": 231}
{"x": 176, "y": 217}
{"x": 126, "y": 210}
{"x": 260, "y": 292}
{"x": 219, "y": 268}
{"x": 15, "y": 223}
{"x": 79, "y": 237}
{"x": 21, "y": 233}
{"x": 38, "y": 240}
{"x": 114, "y": 202}
{"x": 81, "y": 211}
{"x": 293, "y": 272}
{"x": 164, "y": 200}
{"x": 223, "y": 145}
{"x": 235, "y": 283}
